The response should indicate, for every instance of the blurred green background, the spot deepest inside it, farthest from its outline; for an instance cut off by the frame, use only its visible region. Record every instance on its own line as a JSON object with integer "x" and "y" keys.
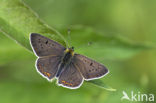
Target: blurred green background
{"x": 132, "y": 19}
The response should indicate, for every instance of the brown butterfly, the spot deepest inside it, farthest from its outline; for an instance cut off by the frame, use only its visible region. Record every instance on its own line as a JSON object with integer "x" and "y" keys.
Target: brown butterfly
{"x": 56, "y": 61}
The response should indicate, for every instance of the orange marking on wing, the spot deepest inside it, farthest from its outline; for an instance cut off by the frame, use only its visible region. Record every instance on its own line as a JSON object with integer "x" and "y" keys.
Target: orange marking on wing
{"x": 40, "y": 67}
{"x": 48, "y": 74}
{"x": 63, "y": 81}
{"x": 66, "y": 83}
{"x": 45, "y": 73}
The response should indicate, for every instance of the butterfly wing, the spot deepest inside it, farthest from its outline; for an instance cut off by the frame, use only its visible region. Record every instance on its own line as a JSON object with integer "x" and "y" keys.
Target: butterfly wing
{"x": 49, "y": 53}
{"x": 44, "y": 46}
{"x": 48, "y": 66}
{"x": 70, "y": 77}
{"x": 89, "y": 68}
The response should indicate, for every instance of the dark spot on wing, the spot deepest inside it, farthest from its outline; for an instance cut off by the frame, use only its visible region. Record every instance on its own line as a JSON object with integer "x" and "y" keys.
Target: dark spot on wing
{"x": 53, "y": 45}
{"x": 47, "y": 42}
{"x": 41, "y": 46}
{"x": 91, "y": 64}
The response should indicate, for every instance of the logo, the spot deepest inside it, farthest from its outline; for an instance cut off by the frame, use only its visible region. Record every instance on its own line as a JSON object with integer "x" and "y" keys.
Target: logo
{"x": 137, "y": 96}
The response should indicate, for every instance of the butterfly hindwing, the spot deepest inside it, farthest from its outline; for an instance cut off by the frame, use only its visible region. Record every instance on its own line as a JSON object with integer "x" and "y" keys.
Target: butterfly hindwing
{"x": 89, "y": 68}
{"x": 70, "y": 77}
{"x": 48, "y": 66}
{"x": 44, "y": 46}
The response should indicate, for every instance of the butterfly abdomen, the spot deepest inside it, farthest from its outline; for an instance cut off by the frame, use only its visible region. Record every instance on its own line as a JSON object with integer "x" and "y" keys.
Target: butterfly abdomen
{"x": 60, "y": 69}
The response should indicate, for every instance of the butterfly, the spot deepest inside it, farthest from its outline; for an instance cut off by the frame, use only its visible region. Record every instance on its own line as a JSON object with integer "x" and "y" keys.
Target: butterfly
{"x": 56, "y": 61}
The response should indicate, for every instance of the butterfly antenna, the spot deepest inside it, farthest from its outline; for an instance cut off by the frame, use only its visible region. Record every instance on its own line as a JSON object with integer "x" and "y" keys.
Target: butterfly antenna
{"x": 67, "y": 45}
{"x": 69, "y": 37}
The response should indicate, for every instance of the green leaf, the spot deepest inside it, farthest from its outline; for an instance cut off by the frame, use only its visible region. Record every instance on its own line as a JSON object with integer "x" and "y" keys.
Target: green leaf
{"x": 9, "y": 50}
{"x": 17, "y": 21}
{"x": 100, "y": 84}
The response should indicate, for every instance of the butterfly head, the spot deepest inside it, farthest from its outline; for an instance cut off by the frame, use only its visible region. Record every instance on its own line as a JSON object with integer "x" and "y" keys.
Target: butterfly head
{"x": 70, "y": 50}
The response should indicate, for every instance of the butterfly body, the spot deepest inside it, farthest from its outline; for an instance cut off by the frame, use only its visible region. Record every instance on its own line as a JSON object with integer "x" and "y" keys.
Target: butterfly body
{"x": 66, "y": 60}
{"x": 56, "y": 61}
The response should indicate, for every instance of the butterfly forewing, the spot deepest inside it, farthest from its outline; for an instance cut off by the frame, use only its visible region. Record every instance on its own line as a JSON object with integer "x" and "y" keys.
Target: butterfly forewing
{"x": 43, "y": 46}
{"x": 48, "y": 66}
{"x": 89, "y": 68}
{"x": 70, "y": 77}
